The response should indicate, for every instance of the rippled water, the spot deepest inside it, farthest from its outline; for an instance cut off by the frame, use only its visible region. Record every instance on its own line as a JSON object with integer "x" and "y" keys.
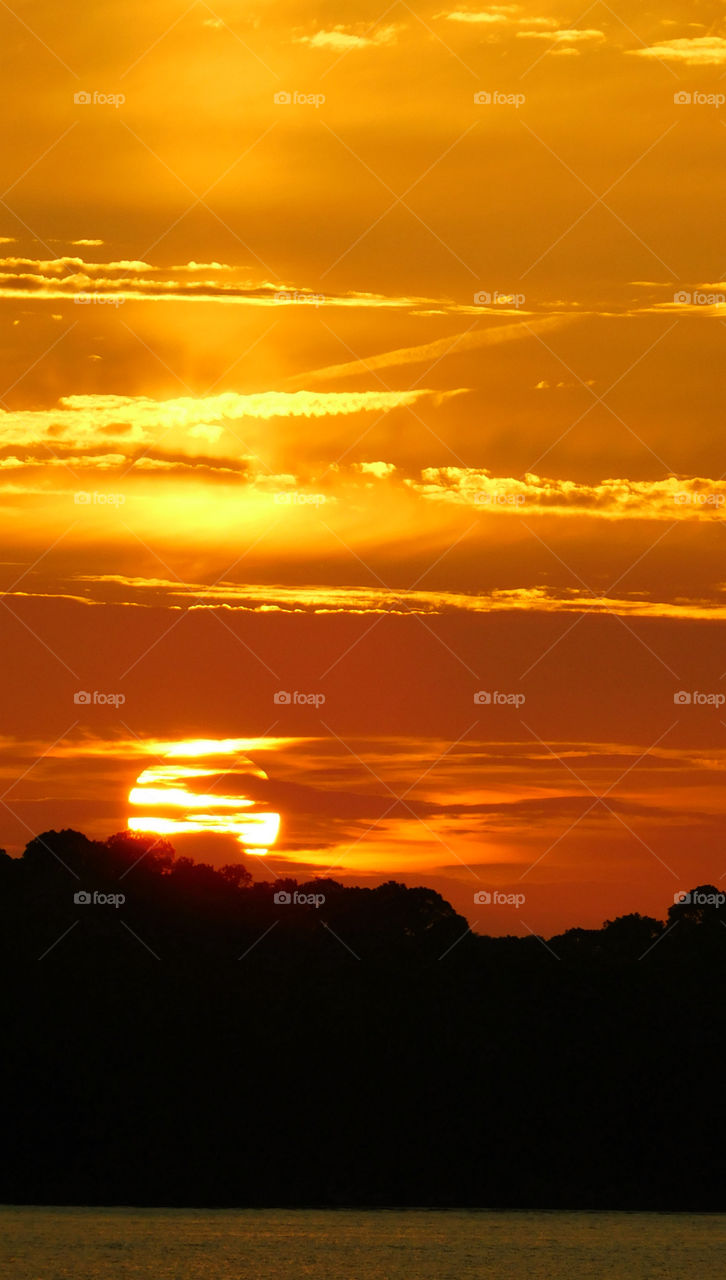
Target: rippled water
{"x": 227, "y": 1244}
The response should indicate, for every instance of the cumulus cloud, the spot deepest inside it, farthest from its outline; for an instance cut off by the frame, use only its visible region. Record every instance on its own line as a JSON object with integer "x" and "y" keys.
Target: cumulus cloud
{"x": 378, "y": 469}
{"x": 694, "y": 498}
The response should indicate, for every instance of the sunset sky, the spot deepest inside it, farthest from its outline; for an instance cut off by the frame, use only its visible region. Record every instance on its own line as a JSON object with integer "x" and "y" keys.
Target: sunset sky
{"x": 375, "y": 354}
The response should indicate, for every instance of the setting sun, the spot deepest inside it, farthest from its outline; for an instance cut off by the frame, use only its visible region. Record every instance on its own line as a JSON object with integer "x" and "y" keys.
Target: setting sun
{"x": 161, "y": 788}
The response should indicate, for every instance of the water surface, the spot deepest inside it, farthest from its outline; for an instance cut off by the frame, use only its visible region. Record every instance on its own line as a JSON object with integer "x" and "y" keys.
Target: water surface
{"x": 422, "y": 1244}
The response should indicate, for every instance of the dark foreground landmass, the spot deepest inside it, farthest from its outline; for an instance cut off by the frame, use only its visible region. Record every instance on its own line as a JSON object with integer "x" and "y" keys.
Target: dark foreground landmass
{"x": 202, "y": 1044}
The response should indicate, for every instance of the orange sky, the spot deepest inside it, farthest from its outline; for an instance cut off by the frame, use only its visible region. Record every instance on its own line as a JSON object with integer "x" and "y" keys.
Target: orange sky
{"x": 375, "y": 355}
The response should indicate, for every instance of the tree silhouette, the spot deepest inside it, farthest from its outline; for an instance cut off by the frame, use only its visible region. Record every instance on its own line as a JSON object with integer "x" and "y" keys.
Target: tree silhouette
{"x": 201, "y": 1043}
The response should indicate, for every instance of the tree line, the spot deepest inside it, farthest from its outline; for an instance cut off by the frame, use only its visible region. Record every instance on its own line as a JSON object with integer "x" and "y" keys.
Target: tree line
{"x": 211, "y": 1040}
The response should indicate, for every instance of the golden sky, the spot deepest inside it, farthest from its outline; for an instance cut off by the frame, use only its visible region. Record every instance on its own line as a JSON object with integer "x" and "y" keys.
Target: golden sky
{"x": 376, "y": 355}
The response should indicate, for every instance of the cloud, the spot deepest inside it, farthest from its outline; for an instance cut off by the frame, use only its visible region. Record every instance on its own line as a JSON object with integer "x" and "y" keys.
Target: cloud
{"x": 59, "y": 266}
{"x": 76, "y": 279}
{"x": 321, "y": 599}
{"x": 692, "y": 51}
{"x": 344, "y": 38}
{"x": 510, "y": 17}
{"x": 695, "y": 498}
{"x": 544, "y": 385}
{"x": 497, "y": 13}
{"x": 502, "y": 21}
{"x": 567, "y": 35}
{"x": 187, "y": 439}
{"x": 102, "y": 420}
{"x": 381, "y": 470}
{"x": 202, "y": 266}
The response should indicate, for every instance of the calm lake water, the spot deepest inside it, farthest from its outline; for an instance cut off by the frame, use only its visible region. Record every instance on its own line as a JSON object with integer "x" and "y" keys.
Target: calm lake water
{"x": 226, "y": 1244}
